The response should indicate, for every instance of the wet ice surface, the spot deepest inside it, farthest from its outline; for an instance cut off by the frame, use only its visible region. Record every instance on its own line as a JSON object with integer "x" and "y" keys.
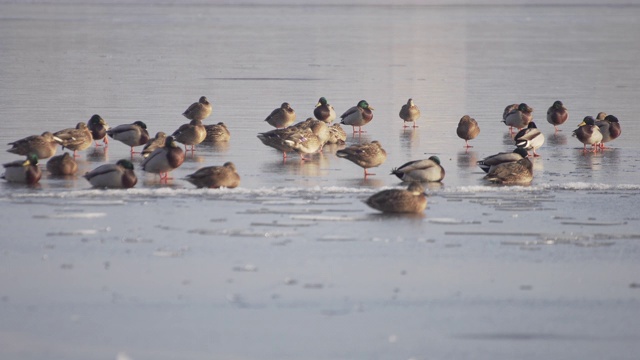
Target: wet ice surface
{"x": 292, "y": 264}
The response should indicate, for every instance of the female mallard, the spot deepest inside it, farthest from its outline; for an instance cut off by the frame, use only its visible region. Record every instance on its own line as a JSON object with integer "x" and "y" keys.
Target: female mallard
{"x": 23, "y": 171}
{"x": 76, "y": 139}
{"x": 155, "y": 143}
{"x": 62, "y": 165}
{"x": 199, "y": 110}
{"x": 44, "y": 146}
{"x": 365, "y": 155}
{"x": 409, "y": 113}
{"x": 519, "y": 117}
{"x": 412, "y": 200}
{"x": 113, "y": 176}
{"x": 467, "y": 129}
{"x": 428, "y": 170}
{"x": 217, "y": 133}
{"x": 130, "y": 134}
{"x": 276, "y": 139}
{"x": 215, "y": 177}
{"x": 610, "y": 129}
{"x": 489, "y": 162}
{"x": 337, "y": 135}
{"x": 98, "y": 128}
{"x": 358, "y": 115}
{"x": 164, "y": 159}
{"x": 530, "y": 138}
{"x": 281, "y": 117}
{"x": 324, "y": 112}
{"x": 557, "y": 114}
{"x": 511, "y": 173}
{"x": 319, "y": 129}
{"x": 192, "y": 134}
{"x": 588, "y": 133}
{"x": 303, "y": 142}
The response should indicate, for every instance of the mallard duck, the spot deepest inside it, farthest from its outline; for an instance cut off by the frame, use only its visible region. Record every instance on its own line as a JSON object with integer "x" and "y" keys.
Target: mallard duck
{"x": 409, "y": 113}
{"x": 319, "y": 128}
{"x": 44, "y": 146}
{"x": 198, "y": 110}
{"x": 276, "y": 139}
{"x": 511, "y": 173}
{"x": 98, "y": 128}
{"x": 519, "y": 117}
{"x": 610, "y": 129}
{"x": 155, "y": 143}
{"x": 337, "y": 135}
{"x": 192, "y": 134}
{"x": 557, "y": 114}
{"x": 217, "y": 133}
{"x": 62, "y": 165}
{"x": 504, "y": 157}
{"x": 304, "y": 142}
{"x": 23, "y": 171}
{"x": 76, "y": 139}
{"x": 365, "y": 155}
{"x": 412, "y": 200}
{"x": 358, "y": 115}
{"x": 130, "y": 134}
{"x": 164, "y": 159}
{"x": 530, "y": 138}
{"x": 324, "y": 112}
{"x": 113, "y": 176}
{"x": 215, "y": 177}
{"x": 467, "y": 129}
{"x": 588, "y": 133}
{"x": 428, "y": 170}
{"x": 601, "y": 116}
{"x": 281, "y": 117}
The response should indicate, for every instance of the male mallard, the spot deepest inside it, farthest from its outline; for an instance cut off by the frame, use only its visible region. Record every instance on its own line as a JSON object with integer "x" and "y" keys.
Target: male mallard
{"x": 217, "y": 133}
{"x": 130, "y": 134}
{"x": 192, "y": 134}
{"x": 588, "y": 133}
{"x": 281, "y": 117}
{"x": 76, "y": 139}
{"x": 467, "y": 129}
{"x": 23, "y": 171}
{"x": 511, "y": 173}
{"x": 530, "y": 138}
{"x": 557, "y": 114}
{"x": 98, "y": 128}
{"x": 365, "y": 155}
{"x": 155, "y": 143}
{"x": 428, "y": 170}
{"x": 113, "y": 176}
{"x": 610, "y": 129}
{"x": 337, "y": 135}
{"x": 409, "y": 113}
{"x": 164, "y": 159}
{"x": 412, "y": 200}
{"x": 489, "y": 162}
{"x": 44, "y": 146}
{"x": 198, "y": 110}
{"x": 519, "y": 117}
{"x": 358, "y": 115}
{"x": 324, "y": 111}
{"x": 62, "y": 165}
{"x": 215, "y": 177}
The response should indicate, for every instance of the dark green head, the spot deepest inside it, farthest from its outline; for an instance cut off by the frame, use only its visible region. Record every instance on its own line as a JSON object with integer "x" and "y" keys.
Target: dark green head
{"x": 322, "y": 101}
{"x": 96, "y": 119}
{"x": 125, "y": 164}
{"x": 32, "y": 159}
{"x": 524, "y": 108}
{"x": 435, "y": 159}
{"x": 521, "y": 151}
{"x": 558, "y": 105}
{"x": 532, "y": 125}
{"x": 611, "y": 118}
{"x": 141, "y": 124}
{"x": 170, "y": 142}
{"x": 588, "y": 120}
{"x": 364, "y": 104}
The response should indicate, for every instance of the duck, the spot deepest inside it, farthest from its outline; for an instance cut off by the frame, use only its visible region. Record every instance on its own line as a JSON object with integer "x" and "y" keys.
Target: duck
{"x": 281, "y": 117}
{"x": 588, "y": 133}
{"x": 276, "y": 139}
{"x": 358, "y": 116}
{"x": 468, "y": 129}
{"x": 304, "y": 141}
{"x": 23, "y": 171}
{"x": 557, "y": 114}
{"x": 76, "y": 139}
{"x": 489, "y": 162}
{"x": 409, "y": 113}
{"x": 318, "y": 127}
{"x": 511, "y": 173}
{"x": 530, "y": 138}
{"x": 164, "y": 159}
{"x": 157, "y": 142}
{"x": 44, "y": 146}
{"x": 337, "y": 135}
{"x": 217, "y": 133}
{"x": 192, "y": 134}
{"x": 98, "y": 128}
{"x": 198, "y": 110}
{"x": 366, "y": 155}
{"x": 130, "y": 134}
{"x": 62, "y": 165}
{"x": 518, "y": 117}
{"x": 400, "y": 201}
{"x": 427, "y": 170}
{"x": 610, "y": 129}
{"x": 601, "y": 116}
{"x": 113, "y": 176}
{"x": 324, "y": 112}
{"x": 215, "y": 177}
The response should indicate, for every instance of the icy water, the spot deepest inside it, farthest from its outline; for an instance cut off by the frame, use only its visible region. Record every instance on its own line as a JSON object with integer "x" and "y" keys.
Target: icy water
{"x": 292, "y": 264}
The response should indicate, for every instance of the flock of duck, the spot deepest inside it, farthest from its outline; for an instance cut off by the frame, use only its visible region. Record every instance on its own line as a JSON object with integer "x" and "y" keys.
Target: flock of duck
{"x": 162, "y": 154}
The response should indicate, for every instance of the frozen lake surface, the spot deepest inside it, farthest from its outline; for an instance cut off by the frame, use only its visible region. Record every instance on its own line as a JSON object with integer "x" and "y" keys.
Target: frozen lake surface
{"x": 292, "y": 264}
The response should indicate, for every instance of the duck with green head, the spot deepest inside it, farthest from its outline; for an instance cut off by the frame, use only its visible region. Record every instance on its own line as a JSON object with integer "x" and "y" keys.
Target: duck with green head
{"x": 98, "y": 128}
{"x": 518, "y": 117}
{"x": 113, "y": 176}
{"x": 324, "y": 112}
{"x": 133, "y": 135}
{"x": 164, "y": 159}
{"x": 588, "y": 133}
{"x": 358, "y": 116}
{"x": 23, "y": 171}
{"x": 530, "y": 138}
{"x": 489, "y": 162}
{"x": 610, "y": 128}
{"x": 427, "y": 170}
{"x": 557, "y": 114}
{"x": 399, "y": 201}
